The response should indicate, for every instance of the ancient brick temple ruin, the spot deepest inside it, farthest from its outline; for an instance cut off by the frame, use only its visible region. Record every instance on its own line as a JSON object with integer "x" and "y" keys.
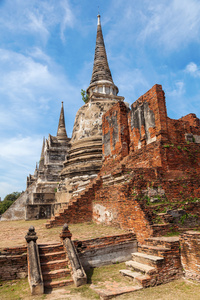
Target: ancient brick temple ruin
{"x": 130, "y": 167}
{"x": 134, "y": 168}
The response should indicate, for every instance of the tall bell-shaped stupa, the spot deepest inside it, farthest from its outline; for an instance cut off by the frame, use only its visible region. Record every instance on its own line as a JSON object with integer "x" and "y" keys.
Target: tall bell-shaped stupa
{"x": 85, "y": 156}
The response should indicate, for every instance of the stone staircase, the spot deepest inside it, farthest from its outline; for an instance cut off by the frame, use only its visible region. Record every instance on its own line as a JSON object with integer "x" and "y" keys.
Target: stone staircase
{"x": 54, "y": 266}
{"x": 157, "y": 261}
{"x": 78, "y": 210}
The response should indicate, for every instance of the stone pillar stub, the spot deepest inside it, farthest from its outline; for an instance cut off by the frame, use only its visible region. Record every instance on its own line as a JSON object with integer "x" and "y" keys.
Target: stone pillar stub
{"x": 78, "y": 274}
{"x": 65, "y": 233}
{"x": 34, "y": 268}
{"x": 31, "y": 235}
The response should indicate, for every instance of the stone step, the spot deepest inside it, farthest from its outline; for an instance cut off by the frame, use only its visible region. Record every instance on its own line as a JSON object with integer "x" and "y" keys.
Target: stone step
{"x": 52, "y": 256}
{"x": 130, "y": 273}
{"x": 139, "y": 278}
{"x": 147, "y": 280}
{"x": 153, "y": 250}
{"x": 150, "y": 260}
{"x": 43, "y": 249}
{"x": 54, "y": 265}
{"x": 110, "y": 292}
{"x": 115, "y": 180}
{"x": 140, "y": 267}
{"x": 58, "y": 214}
{"x": 49, "y": 275}
{"x": 81, "y": 189}
{"x": 162, "y": 241}
{"x": 58, "y": 283}
{"x": 105, "y": 177}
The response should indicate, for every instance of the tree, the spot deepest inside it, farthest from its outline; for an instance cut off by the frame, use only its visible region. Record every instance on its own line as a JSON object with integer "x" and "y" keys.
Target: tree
{"x": 12, "y": 197}
{"x": 8, "y": 201}
{"x": 84, "y": 95}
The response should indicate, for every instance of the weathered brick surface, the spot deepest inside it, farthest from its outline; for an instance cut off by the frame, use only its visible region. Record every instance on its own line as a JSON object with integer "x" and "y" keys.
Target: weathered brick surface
{"x": 104, "y": 251}
{"x": 79, "y": 209}
{"x": 115, "y": 132}
{"x": 13, "y": 262}
{"x": 148, "y": 151}
{"x": 104, "y": 241}
{"x": 190, "y": 254}
{"x": 54, "y": 265}
{"x": 169, "y": 249}
{"x": 148, "y": 118}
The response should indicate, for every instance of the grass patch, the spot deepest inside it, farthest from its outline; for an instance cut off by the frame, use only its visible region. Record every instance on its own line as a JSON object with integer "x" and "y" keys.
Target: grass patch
{"x": 172, "y": 233}
{"x": 176, "y": 290}
{"x": 17, "y": 290}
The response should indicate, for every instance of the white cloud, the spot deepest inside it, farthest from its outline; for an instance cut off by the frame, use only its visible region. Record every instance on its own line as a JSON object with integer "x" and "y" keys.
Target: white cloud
{"x": 172, "y": 23}
{"x": 167, "y": 24}
{"x": 20, "y": 150}
{"x": 193, "y": 69}
{"x": 178, "y": 90}
{"x": 68, "y": 19}
{"x": 30, "y": 86}
{"x": 131, "y": 84}
{"x": 18, "y": 156}
{"x": 36, "y": 18}
{"x": 37, "y": 53}
{"x": 10, "y": 186}
{"x": 37, "y": 25}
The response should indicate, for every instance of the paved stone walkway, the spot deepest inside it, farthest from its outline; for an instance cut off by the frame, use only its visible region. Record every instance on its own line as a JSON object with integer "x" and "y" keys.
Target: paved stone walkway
{"x": 109, "y": 289}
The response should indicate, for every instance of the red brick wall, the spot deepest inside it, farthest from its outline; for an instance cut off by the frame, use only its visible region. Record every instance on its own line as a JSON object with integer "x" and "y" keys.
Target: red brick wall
{"x": 190, "y": 254}
{"x": 13, "y": 262}
{"x": 115, "y": 127}
{"x": 156, "y": 155}
{"x": 148, "y": 118}
{"x": 185, "y": 125}
{"x": 104, "y": 241}
{"x": 118, "y": 205}
{"x": 154, "y": 139}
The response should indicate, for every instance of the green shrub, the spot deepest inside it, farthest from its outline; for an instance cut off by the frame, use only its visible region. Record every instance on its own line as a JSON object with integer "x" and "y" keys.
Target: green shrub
{"x": 8, "y": 201}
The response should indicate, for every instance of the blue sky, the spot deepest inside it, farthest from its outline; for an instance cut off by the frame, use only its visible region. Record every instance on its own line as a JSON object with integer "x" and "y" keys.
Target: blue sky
{"x": 46, "y": 56}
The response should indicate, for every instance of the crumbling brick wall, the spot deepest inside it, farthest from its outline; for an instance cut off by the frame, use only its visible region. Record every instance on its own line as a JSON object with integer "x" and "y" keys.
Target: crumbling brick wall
{"x": 115, "y": 131}
{"x": 146, "y": 132}
{"x": 118, "y": 204}
{"x": 185, "y": 129}
{"x": 155, "y": 150}
{"x": 13, "y": 262}
{"x": 148, "y": 118}
{"x": 190, "y": 254}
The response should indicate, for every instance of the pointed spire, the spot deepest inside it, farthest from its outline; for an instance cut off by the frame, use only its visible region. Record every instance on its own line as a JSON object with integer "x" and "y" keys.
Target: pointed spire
{"x": 101, "y": 74}
{"x": 61, "y": 133}
{"x": 41, "y": 162}
{"x": 36, "y": 170}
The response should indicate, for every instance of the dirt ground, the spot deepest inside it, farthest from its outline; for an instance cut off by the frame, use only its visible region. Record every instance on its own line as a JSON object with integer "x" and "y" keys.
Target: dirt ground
{"x": 12, "y": 233}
